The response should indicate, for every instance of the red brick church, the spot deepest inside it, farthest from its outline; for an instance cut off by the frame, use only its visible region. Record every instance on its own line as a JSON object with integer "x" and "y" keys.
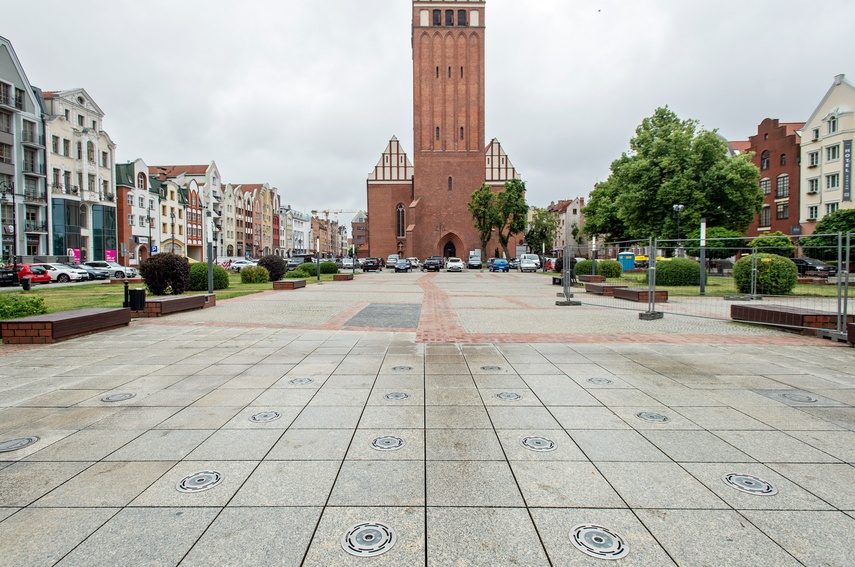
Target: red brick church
{"x": 419, "y": 208}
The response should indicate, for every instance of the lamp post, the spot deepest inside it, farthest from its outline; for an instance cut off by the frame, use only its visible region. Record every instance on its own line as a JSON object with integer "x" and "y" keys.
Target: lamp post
{"x": 8, "y": 187}
{"x": 210, "y": 251}
{"x": 678, "y": 210}
{"x": 172, "y": 216}
{"x": 148, "y": 220}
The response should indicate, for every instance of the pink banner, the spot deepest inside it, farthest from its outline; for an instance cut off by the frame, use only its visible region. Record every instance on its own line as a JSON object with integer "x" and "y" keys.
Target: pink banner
{"x": 110, "y": 255}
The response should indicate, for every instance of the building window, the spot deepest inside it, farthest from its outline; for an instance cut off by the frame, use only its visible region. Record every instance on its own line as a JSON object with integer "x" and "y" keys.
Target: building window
{"x": 104, "y": 160}
{"x": 766, "y": 217}
{"x": 461, "y": 17}
{"x": 764, "y": 160}
{"x": 813, "y": 185}
{"x": 141, "y": 220}
{"x": 783, "y": 211}
{"x": 813, "y": 159}
{"x": 813, "y": 212}
{"x": 461, "y": 72}
{"x": 831, "y": 208}
{"x": 437, "y": 17}
{"x": 5, "y": 122}
{"x": 449, "y": 17}
{"x": 766, "y": 186}
{"x": 130, "y": 200}
{"x": 832, "y": 125}
{"x": 461, "y": 132}
{"x": 91, "y": 185}
{"x": 832, "y": 181}
{"x": 141, "y": 202}
{"x": 80, "y": 120}
{"x": 832, "y": 153}
{"x": 783, "y": 189}
{"x": 815, "y": 134}
{"x": 90, "y": 152}
{"x": 783, "y": 159}
{"x": 6, "y": 153}
{"x": 79, "y": 150}
{"x": 437, "y": 132}
{"x": 450, "y": 183}
{"x": 141, "y": 181}
{"x": 54, "y": 144}
{"x": 130, "y": 220}
{"x": 67, "y": 115}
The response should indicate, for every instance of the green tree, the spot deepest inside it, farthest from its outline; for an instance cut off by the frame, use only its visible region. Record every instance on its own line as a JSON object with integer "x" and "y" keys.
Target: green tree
{"x": 822, "y": 245}
{"x": 671, "y": 162}
{"x": 512, "y": 210}
{"x": 776, "y": 243}
{"x": 543, "y": 229}
{"x": 721, "y": 243}
{"x": 484, "y": 208}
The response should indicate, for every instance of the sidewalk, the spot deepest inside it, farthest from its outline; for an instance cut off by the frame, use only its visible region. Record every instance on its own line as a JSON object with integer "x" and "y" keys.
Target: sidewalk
{"x": 442, "y": 419}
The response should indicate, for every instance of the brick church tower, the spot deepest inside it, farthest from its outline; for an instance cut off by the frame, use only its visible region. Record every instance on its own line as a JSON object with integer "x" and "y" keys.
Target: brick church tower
{"x": 420, "y": 209}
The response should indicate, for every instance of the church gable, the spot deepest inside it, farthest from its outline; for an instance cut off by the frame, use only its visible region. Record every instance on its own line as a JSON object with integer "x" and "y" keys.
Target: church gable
{"x": 499, "y": 166}
{"x": 394, "y": 165}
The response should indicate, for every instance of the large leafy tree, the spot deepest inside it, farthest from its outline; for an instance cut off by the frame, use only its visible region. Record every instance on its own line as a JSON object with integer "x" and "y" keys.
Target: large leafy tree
{"x": 720, "y": 243}
{"x": 822, "y": 245}
{"x": 543, "y": 229}
{"x": 484, "y": 208}
{"x": 672, "y": 162}
{"x": 512, "y": 210}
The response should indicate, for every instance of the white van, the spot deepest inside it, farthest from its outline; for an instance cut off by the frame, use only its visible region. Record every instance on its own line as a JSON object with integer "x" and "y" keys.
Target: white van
{"x": 391, "y": 260}
{"x": 533, "y": 257}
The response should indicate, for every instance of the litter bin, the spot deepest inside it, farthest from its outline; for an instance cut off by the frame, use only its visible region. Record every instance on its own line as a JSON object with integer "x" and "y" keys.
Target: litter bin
{"x": 137, "y": 299}
{"x": 25, "y": 283}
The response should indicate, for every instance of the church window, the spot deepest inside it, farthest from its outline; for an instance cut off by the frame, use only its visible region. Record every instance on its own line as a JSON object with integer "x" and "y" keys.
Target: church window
{"x": 764, "y": 160}
{"x": 461, "y": 132}
{"x": 461, "y": 72}
{"x": 437, "y": 17}
{"x": 402, "y": 219}
{"x": 449, "y": 17}
{"x": 449, "y": 72}
{"x": 437, "y": 72}
{"x": 450, "y": 183}
{"x": 437, "y": 132}
{"x": 461, "y": 17}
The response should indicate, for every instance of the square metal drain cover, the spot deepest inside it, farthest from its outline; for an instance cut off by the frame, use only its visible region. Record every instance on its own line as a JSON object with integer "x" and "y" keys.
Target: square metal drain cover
{"x": 387, "y": 316}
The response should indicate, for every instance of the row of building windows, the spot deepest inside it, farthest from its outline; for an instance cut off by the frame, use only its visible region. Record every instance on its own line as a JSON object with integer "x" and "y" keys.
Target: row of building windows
{"x": 449, "y": 17}
{"x": 832, "y": 153}
{"x": 831, "y": 127}
{"x": 90, "y": 150}
{"x": 449, "y": 72}
{"x": 462, "y": 133}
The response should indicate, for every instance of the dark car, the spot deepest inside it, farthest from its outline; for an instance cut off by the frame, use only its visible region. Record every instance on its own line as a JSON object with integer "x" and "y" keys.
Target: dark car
{"x": 403, "y": 265}
{"x": 474, "y": 263}
{"x": 432, "y": 264}
{"x": 8, "y": 276}
{"x": 807, "y": 265}
{"x": 514, "y": 264}
{"x": 499, "y": 265}
{"x": 371, "y": 265}
{"x": 94, "y": 273}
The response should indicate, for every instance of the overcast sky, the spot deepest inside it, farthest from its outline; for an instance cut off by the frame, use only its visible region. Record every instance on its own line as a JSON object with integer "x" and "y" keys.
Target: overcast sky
{"x": 305, "y": 94}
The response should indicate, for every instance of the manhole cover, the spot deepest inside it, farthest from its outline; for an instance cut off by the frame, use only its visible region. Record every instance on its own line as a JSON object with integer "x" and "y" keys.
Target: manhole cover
{"x": 15, "y": 444}
{"x": 598, "y": 541}
{"x": 387, "y": 443}
{"x": 265, "y": 416}
{"x": 600, "y": 381}
{"x": 300, "y": 381}
{"x": 508, "y": 397}
{"x": 197, "y": 482}
{"x": 652, "y": 417}
{"x": 397, "y": 396}
{"x": 799, "y": 397}
{"x": 368, "y": 539}
{"x": 539, "y": 444}
{"x": 118, "y": 397}
{"x": 749, "y": 484}
{"x": 402, "y": 368}
{"x": 491, "y": 368}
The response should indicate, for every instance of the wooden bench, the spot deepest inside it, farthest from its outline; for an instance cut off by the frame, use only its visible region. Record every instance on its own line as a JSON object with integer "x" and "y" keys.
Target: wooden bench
{"x": 52, "y": 327}
{"x": 288, "y": 284}
{"x": 591, "y": 278}
{"x": 123, "y": 280}
{"x": 788, "y": 316}
{"x": 159, "y": 306}
{"x": 813, "y": 274}
{"x": 604, "y": 289}
{"x": 341, "y": 277}
{"x": 850, "y": 333}
{"x": 639, "y": 294}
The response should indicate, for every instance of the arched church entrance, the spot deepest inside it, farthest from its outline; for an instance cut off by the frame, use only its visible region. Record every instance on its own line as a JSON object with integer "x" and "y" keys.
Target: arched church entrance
{"x": 449, "y": 250}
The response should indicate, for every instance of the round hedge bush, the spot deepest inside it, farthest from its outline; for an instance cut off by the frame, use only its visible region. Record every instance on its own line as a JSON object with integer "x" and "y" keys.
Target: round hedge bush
{"x": 199, "y": 277}
{"x": 329, "y": 268}
{"x": 254, "y": 274}
{"x": 607, "y": 268}
{"x": 166, "y": 273}
{"x": 776, "y": 275}
{"x": 677, "y": 272}
{"x": 309, "y": 268}
{"x": 275, "y": 266}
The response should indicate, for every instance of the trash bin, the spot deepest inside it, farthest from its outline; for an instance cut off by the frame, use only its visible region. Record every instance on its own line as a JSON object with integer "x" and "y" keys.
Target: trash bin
{"x": 25, "y": 283}
{"x": 137, "y": 299}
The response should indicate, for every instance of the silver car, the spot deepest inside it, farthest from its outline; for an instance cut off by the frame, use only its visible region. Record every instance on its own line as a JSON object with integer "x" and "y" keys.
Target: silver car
{"x": 454, "y": 265}
{"x": 116, "y": 271}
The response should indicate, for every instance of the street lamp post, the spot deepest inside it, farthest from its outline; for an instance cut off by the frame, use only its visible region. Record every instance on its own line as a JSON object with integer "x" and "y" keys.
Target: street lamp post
{"x": 172, "y": 216}
{"x": 9, "y": 187}
{"x": 148, "y": 220}
{"x": 678, "y": 210}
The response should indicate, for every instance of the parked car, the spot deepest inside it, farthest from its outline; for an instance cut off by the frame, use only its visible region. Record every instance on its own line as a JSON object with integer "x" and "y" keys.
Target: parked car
{"x": 93, "y": 273}
{"x": 371, "y": 265}
{"x": 514, "y": 264}
{"x": 8, "y": 276}
{"x": 391, "y": 259}
{"x": 37, "y": 274}
{"x": 64, "y": 274}
{"x": 533, "y": 257}
{"x": 414, "y": 262}
{"x": 432, "y": 264}
{"x": 474, "y": 263}
{"x": 499, "y": 265}
{"x": 454, "y": 265}
{"x": 117, "y": 271}
{"x": 403, "y": 265}
{"x": 238, "y": 265}
{"x": 806, "y": 265}
{"x": 347, "y": 264}
{"x": 527, "y": 265}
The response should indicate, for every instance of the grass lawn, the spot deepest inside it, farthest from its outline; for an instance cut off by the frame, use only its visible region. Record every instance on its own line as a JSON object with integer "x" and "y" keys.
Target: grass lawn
{"x": 66, "y": 297}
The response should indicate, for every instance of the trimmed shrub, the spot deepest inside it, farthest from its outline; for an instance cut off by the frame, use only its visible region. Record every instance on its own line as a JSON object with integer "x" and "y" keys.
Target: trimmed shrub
{"x": 275, "y": 266}
{"x": 297, "y": 275}
{"x": 607, "y": 268}
{"x": 199, "y": 277}
{"x": 329, "y": 268}
{"x": 775, "y": 243}
{"x": 677, "y": 271}
{"x": 13, "y": 306}
{"x": 254, "y": 274}
{"x": 309, "y": 267}
{"x": 776, "y": 275}
{"x": 166, "y": 273}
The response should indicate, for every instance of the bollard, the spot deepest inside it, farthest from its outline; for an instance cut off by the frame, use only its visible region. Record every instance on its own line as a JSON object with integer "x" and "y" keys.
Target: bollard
{"x": 127, "y": 302}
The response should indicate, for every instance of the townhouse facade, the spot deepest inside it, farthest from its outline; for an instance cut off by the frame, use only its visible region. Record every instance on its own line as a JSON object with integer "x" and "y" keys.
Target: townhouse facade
{"x": 138, "y": 204}
{"x": 570, "y": 223}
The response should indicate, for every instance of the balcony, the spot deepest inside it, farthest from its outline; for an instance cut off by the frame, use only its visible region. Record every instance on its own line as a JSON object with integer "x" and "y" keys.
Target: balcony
{"x": 32, "y": 139}
{"x": 35, "y": 226}
{"x": 35, "y": 197}
{"x": 32, "y": 168}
